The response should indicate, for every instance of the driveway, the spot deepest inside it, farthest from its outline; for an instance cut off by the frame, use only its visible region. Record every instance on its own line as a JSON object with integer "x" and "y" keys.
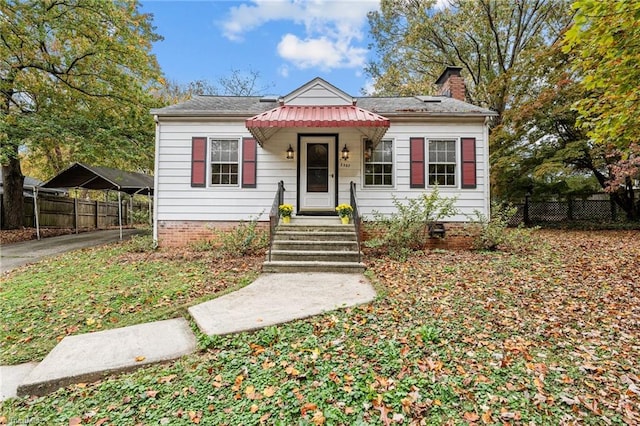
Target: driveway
{"x": 18, "y": 254}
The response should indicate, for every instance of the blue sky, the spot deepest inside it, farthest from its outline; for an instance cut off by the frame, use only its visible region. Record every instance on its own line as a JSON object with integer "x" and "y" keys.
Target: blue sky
{"x": 288, "y": 41}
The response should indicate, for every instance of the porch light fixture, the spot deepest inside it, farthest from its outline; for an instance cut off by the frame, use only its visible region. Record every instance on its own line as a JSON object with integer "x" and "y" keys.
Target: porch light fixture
{"x": 290, "y": 153}
{"x": 345, "y": 152}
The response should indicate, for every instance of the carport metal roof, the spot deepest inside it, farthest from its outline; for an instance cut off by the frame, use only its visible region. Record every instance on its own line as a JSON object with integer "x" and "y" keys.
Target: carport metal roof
{"x": 80, "y": 175}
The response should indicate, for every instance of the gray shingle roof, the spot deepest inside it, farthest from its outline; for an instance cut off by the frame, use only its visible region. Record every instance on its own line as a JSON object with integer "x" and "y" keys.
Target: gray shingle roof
{"x": 440, "y": 105}
{"x": 252, "y": 105}
{"x": 205, "y": 105}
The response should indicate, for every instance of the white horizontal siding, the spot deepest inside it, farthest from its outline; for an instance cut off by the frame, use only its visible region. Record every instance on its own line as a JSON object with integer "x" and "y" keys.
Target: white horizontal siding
{"x": 380, "y": 199}
{"x": 318, "y": 95}
{"x": 177, "y": 200}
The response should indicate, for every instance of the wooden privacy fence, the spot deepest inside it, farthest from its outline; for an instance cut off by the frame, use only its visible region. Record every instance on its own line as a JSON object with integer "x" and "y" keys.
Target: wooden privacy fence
{"x": 63, "y": 212}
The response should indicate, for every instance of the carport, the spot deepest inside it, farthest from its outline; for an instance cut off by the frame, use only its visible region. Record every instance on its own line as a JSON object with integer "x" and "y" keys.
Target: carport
{"x": 80, "y": 175}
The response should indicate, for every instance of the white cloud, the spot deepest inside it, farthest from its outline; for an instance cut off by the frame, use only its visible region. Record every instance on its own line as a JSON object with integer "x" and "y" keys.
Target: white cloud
{"x": 321, "y": 53}
{"x": 369, "y": 88}
{"x": 283, "y": 71}
{"x": 333, "y": 29}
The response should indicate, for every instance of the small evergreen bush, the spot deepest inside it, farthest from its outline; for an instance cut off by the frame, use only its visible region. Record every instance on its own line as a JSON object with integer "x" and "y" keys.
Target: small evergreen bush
{"x": 140, "y": 217}
{"x": 244, "y": 239}
{"x": 494, "y": 234}
{"x": 203, "y": 245}
{"x": 407, "y": 229}
{"x": 141, "y": 244}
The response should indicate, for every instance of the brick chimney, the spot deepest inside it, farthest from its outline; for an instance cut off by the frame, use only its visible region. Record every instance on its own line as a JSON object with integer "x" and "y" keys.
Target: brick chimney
{"x": 451, "y": 84}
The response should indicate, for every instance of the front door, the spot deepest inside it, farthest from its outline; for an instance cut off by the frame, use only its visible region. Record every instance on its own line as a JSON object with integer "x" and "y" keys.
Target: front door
{"x": 317, "y": 191}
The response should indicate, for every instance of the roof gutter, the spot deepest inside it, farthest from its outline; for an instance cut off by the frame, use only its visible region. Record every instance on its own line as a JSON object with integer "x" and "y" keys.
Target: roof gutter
{"x": 243, "y": 116}
{"x": 411, "y": 114}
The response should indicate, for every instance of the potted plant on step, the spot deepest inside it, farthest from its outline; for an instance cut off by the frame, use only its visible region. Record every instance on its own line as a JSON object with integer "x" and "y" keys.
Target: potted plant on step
{"x": 285, "y": 212}
{"x": 345, "y": 211}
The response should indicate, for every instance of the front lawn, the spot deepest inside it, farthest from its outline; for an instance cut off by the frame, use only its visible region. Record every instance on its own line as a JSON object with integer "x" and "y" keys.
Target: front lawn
{"x": 549, "y": 336}
{"x": 107, "y": 287}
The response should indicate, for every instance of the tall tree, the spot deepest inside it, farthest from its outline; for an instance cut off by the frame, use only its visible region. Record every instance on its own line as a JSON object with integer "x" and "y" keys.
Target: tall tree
{"x": 605, "y": 40}
{"x": 236, "y": 83}
{"x": 75, "y": 76}
{"x": 173, "y": 92}
{"x": 542, "y": 147}
{"x": 493, "y": 40}
{"x": 239, "y": 83}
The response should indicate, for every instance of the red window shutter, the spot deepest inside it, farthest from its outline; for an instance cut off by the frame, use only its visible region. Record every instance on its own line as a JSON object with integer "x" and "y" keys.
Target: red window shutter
{"x": 416, "y": 158}
{"x": 468, "y": 162}
{"x": 249, "y": 157}
{"x": 198, "y": 162}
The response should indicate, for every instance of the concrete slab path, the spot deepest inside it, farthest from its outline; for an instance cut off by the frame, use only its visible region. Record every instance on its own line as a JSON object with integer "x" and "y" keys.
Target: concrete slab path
{"x": 11, "y": 376}
{"x": 278, "y": 298}
{"x": 88, "y": 357}
{"x": 271, "y": 299}
{"x": 22, "y": 253}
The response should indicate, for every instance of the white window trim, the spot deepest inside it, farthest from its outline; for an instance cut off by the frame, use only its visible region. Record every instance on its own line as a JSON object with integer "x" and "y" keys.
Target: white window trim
{"x": 221, "y": 186}
{"x": 457, "y": 144}
{"x": 394, "y": 167}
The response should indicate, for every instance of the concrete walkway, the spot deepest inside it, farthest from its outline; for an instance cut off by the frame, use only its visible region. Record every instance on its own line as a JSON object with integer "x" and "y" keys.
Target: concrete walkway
{"x": 278, "y": 298}
{"x": 89, "y": 357}
{"x": 271, "y": 299}
{"x": 25, "y": 252}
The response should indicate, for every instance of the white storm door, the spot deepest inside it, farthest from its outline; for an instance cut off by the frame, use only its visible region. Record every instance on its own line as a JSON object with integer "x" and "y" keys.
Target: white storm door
{"x": 317, "y": 173}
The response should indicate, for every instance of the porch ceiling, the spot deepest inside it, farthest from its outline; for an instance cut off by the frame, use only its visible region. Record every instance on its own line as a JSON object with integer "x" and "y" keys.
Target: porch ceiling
{"x": 263, "y": 126}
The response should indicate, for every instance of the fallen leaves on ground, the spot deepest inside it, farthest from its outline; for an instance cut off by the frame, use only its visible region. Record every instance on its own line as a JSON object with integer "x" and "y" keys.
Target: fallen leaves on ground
{"x": 107, "y": 287}
{"x": 546, "y": 336}
{"x": 9, "y": 236}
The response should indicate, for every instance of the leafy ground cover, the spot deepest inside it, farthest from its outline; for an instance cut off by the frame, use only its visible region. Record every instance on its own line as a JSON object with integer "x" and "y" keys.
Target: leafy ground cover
{"x": 545, "y": 336}
{"x": 107, "y": 287}
{"x": 8, "y": 236}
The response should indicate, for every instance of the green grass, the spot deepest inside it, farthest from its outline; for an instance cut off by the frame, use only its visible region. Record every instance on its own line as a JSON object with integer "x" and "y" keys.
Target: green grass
{"x": 546, "y": 336}
{"x": 103, "y": 288}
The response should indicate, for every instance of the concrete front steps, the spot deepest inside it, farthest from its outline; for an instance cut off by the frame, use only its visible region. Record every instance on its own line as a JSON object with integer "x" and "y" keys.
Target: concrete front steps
{"x": 313, "y": 244}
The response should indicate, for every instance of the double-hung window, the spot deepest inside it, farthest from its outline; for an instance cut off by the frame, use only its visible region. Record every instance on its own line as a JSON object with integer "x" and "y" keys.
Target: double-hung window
{"x": 224, "y": 161}
{"x": 378, "y": 163}
{"x": 442, "y": 162}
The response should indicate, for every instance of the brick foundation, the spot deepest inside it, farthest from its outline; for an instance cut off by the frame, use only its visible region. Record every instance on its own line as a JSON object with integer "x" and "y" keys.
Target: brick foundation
{"x": 178, "y": 233}
{"x": 459, "y": 236}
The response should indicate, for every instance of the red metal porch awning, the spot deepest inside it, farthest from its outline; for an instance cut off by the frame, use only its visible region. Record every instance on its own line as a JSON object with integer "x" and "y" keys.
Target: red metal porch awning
{"x": 264, "y": 125}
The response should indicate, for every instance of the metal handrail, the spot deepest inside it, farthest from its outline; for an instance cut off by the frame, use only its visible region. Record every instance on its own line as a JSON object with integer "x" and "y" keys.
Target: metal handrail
{"x": 356, "y": 215}
{"x": 274, "y": 214}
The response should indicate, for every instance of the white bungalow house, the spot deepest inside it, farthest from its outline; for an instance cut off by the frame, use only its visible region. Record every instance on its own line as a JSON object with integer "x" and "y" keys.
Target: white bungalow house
{"x": 219, "y": 159}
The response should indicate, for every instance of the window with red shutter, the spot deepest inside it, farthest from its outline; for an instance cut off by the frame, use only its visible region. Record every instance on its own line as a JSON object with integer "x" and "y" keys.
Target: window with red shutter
{"x": 249, "y": 158}
{"x": 468, "y": 150}
{"x": 416, "y": 158}
{"x": 198, "y": 162}
{"x": 442, "y": 162}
